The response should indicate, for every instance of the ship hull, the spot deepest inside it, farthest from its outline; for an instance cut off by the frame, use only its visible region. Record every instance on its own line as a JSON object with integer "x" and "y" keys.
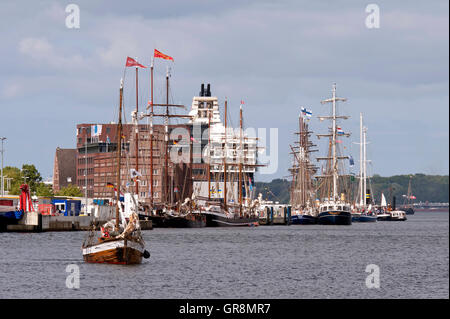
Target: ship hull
{"x": 219, "y": 220}
{"x": 408, "y": 210}
{"x": 367, "y": 219}
{"x": 383, "y": 217}
{"x": 335, "y": 218}
{"x": 158, "y": 221}
{"x": 303, "y": 220}
{"x": 190, "y": 221}
{"x": 119, "y": 251}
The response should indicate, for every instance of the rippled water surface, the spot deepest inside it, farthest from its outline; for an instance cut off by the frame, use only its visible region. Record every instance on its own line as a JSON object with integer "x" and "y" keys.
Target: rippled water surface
{"x": 264, "y": 262}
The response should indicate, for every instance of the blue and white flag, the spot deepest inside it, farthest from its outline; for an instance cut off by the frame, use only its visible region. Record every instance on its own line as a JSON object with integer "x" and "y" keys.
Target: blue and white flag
{"x": 306, "y": 112}
{"x": 96, "y": 130}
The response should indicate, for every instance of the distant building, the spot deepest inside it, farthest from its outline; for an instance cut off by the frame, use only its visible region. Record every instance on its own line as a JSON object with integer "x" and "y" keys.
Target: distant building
{"x": 96, "y": 156}
{"x": 96, "y": 164}
{"x": 64, "y": 168}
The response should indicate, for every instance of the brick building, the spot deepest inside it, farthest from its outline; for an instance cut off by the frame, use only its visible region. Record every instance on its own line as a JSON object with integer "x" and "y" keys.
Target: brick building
{"x": 96, "y": 164}
{"x": 64, "y": 168}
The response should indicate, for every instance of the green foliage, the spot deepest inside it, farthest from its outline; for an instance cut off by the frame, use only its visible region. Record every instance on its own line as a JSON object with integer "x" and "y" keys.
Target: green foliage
{"x": 16, "y": 175}
{"x": 277, "y": 190}
{"x": 32, "y": 176}
{"x": 431, "y": 188}
{"x": 70, "y": 190}
{"x": 44, "y": 190}
{"x": 29, "y": 175}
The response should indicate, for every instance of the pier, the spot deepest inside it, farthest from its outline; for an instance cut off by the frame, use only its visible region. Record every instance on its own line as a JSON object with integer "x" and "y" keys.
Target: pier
{"x": 36, "y": 222}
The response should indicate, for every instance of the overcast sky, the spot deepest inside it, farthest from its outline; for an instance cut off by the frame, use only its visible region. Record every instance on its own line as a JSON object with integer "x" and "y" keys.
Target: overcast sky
{"x": 276, "y": 56}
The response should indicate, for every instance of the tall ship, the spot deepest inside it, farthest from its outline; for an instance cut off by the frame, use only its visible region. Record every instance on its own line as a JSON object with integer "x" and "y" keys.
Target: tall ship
{"x": 363, "y": 208}
{"x": 334, "y": 207}
{"x": 303, "y": 192}
{"x": 407, "y": 206}
{"x": 174, "y": 206}
{"x": 226, "y": 194}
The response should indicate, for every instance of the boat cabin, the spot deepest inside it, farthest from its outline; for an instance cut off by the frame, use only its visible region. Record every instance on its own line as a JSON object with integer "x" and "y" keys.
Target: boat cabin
{"x": 334, "y": 207}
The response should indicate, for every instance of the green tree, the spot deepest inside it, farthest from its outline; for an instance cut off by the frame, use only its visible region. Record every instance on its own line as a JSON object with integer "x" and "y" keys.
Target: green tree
{"x": 70, "y": 190}
{"x": 32, "y": 177}
{"x": 29, "y": 175}
{"x": 44, "y": 190}
{"x": 16, "y": 175}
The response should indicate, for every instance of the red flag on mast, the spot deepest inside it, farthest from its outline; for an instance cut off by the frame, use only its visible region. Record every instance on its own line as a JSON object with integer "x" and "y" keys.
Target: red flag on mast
{"x": 158, "y": 54}
{"x": 133, "y": 62}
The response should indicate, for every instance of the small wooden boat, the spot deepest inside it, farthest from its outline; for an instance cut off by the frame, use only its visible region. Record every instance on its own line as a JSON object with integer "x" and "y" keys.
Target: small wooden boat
{"x": 120, "y": 241}
{"x": 112, "y": 247}
{"x": 115, "y": 251}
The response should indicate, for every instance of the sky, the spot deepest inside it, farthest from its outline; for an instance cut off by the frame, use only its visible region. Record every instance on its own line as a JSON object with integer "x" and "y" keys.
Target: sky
{"x": 276, "y": 56}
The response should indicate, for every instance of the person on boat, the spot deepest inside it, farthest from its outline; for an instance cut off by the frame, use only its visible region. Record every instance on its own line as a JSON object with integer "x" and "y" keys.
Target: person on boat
{"x": 105, "y": 232}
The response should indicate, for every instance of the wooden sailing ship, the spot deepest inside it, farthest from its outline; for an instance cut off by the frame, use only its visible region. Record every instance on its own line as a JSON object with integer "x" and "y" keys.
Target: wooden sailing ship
{"x": 120, "y": 241}
{"x": 176, "y": 207}
{"x": 303, "y": 193}
{"x": 220, "y": 212}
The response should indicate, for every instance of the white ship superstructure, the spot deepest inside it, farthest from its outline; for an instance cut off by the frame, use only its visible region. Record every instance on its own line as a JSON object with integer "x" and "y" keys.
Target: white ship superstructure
{"x": 225, "y": 153}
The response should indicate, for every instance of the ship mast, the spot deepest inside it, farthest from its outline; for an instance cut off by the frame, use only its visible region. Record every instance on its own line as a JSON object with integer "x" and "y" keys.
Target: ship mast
{"x": 119, "y": 151}
{"x": 364, "y": 168}
{"x": 225, "y": 161}
{"x": 334, "y": 158}
{"x": 166, "y": 140}
{"x": 151, "y": 135}
{"x": 361, "y": 183}
{"x": 165, "y": 189}
{"x": 137, "y": 132}
{"x": 302, "y": 169}
{"x": 209, "y": 155}
{"x": 240, "y": 160}
{"x": 333, "y": 146}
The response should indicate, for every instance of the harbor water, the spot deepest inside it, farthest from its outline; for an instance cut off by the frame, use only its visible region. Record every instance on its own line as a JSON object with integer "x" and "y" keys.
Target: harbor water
{"x": 297, "y": 261}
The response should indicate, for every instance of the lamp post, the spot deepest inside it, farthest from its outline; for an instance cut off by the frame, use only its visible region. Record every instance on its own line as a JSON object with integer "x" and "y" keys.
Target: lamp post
{"x": 3, "y": 182}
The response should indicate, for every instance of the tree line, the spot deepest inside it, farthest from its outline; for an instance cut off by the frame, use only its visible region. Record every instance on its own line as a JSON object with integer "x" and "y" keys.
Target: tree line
{"x": 29, "y": 174}
{"x": 431, "y": 188}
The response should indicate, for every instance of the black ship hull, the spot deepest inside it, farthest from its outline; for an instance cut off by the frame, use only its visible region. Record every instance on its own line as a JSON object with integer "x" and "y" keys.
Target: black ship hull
{"x": 303, "y": 220}
{"x": 189, "y": 221}
{"x": 221, "y": 220}
{"x": 169, "y": 221}
{"x": 335, "y": 218}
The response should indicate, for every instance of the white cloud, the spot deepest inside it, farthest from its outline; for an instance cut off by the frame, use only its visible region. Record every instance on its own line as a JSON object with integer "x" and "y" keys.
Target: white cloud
{"x": 11, "y": 90}
{"x": 40, "y": 50}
